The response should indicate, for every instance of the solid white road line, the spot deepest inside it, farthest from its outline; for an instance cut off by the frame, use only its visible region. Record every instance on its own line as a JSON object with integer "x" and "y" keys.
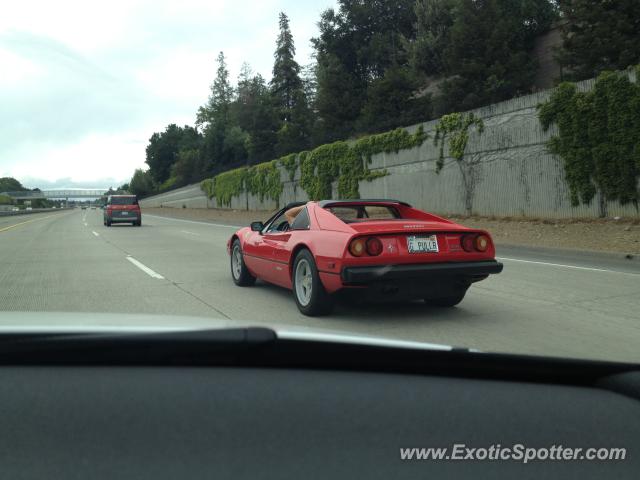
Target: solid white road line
{"x": 192, "y": 221}
{"x": 144, "y": 268}
{"x": 189, "y": 233}
{"x": 95, "y": 233}
{"x": 575, "y": 267}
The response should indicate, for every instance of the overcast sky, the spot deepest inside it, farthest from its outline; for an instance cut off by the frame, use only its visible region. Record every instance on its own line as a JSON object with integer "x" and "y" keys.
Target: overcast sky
{"x": 84, "y": 84}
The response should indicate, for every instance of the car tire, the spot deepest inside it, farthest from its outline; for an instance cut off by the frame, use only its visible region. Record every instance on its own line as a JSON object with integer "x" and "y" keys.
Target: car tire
{"x": 309, "y": 293}
{"x": 448, "y": 300}
{"x": 239, "y": 272}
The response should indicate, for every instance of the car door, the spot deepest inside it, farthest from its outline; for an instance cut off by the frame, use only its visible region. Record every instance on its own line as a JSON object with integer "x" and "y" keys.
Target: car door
{"x": 258, "y": 248}
{"x": 282, "y": 244}
{"x": 276, "y": 270}
{"x": 272, "y": 236}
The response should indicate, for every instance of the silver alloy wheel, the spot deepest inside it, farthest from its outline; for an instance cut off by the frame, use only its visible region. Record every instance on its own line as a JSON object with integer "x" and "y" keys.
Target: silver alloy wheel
{"x": 304, "y": 282}
{"x": 236, "y": 262}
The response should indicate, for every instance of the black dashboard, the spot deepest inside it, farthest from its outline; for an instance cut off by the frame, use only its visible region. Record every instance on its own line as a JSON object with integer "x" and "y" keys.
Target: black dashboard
{"x": 172, "y": 416}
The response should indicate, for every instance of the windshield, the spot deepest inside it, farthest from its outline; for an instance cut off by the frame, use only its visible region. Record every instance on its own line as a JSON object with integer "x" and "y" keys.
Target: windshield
{"x": 455, "y": 172}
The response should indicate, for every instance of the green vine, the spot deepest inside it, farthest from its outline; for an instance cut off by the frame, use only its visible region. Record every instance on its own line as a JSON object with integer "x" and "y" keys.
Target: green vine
{"x": 225, "y": 186}
{"x": 345, "y": 163}
{"x": 208, "y": 187}
{"x": 393, "y": 141}
{"x": 319, "y": 168}
{"x": 290, "y": 164}
{"x": 263, "y": 180}
{"x": 455, "y": 127}
{"x": 598, "y": 137}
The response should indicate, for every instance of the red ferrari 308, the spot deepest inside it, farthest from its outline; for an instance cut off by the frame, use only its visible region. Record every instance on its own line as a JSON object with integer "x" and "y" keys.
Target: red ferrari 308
{"x": 384, "y": 248}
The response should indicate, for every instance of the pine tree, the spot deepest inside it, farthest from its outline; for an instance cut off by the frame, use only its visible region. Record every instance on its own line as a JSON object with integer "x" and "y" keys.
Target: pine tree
{"x": 222, "y": 144}
{"x": 217, "y": 108}
{"x": 254, "y": 113}
{"x": 288, "y": 94}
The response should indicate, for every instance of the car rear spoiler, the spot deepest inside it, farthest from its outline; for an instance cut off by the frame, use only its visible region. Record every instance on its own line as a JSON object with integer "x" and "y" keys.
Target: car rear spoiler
{"x": 328, "y": 203}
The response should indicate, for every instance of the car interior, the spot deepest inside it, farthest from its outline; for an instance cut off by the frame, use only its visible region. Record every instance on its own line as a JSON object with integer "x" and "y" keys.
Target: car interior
{"x": 364, "y": 213}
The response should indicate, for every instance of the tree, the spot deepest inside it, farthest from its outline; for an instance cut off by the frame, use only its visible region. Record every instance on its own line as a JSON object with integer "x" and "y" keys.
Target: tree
{"x": 356, "y": 46}
{"x": 188, "y": 167}
{"x": 215, "y": 118}
{"x": 217, "y": 108}
{"x": 253, "y": 111}
{"x": 434, "y": 19}
{"x": 161, "y": 152}
{"x": 10, "y": 184}
{"x": 391, "y": 102}
{"x": 597, "y": 36}
{"x": 340, "y": 98}
{"x": 288, "y": 94}
{"x": 141, "y": 183}
{"x": 309, "y": 76}
{"x": 6, "y": 200}
{"x": 489, "y": 54}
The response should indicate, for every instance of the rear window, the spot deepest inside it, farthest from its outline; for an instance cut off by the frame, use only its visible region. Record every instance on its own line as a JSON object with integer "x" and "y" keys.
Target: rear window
{"x": 364, "y": 213}
{"x": 124, "y": 201}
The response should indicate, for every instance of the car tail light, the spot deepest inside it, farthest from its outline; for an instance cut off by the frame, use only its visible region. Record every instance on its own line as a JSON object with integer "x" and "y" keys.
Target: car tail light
{"x": 481, "y": 243}
{"x": 468, "y": 243}
{"x": 357, "y": 247}
{"x": 475, "y": 243}
{"x": 374, "y": 246}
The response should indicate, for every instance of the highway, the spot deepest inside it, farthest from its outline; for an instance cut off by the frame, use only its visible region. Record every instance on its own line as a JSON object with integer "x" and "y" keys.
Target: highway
{"x": 562, "y": 305}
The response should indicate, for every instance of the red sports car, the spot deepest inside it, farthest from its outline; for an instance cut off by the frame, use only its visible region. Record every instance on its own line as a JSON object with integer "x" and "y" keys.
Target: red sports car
{"x": 384, "y": 248}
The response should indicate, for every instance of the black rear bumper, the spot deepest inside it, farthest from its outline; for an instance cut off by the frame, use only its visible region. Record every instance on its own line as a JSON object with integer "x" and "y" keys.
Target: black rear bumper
{"x": 471, "y": 270}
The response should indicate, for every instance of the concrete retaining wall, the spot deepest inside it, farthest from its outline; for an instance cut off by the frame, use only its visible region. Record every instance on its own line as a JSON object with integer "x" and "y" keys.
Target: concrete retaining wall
{"x": 507, "y": 172}
{"x": 190, "y": 197}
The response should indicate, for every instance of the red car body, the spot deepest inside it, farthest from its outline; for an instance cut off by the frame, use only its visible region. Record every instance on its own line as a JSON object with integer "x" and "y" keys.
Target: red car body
{"x": 394, "y": 272}
{"x": 122, "y": 209}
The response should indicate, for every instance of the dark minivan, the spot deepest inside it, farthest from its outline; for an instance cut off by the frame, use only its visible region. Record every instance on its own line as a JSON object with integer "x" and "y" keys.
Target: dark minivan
{"x": 122, "y": 209}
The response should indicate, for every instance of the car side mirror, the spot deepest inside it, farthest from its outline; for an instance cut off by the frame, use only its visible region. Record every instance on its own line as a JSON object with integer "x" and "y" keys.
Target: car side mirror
{"x": 256, "y": 226}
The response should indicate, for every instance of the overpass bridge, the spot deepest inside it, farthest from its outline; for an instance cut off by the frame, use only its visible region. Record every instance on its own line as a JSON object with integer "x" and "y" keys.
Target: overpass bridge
{"x": 76, "y": 193}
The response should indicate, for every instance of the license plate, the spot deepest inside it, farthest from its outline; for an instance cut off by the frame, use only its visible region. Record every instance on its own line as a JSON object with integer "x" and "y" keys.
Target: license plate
{"x": 416, "y": 244}
{"x": 124, "y": 213}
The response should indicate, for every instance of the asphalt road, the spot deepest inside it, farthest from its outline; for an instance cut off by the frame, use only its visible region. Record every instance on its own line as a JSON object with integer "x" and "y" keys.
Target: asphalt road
{"x": 547, "y": 303}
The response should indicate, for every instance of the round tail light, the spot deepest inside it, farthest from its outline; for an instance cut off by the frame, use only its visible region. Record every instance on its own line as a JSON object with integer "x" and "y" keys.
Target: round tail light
{"x": 482, "y": 243}
{"x": 374, "y": 246}
{"x": 467, "y": 243}
{"x": 357, "y": 247}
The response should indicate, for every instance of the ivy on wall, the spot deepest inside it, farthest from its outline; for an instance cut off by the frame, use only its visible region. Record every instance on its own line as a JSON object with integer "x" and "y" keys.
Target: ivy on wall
{"x": 339, "y": 161}
{"x": 262, "y": 180}
{"x": 290, "y": 164}
{"x": 225, "y": 185}
{"x": 598, "y": 137}
{"x": 455, "y": 128}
